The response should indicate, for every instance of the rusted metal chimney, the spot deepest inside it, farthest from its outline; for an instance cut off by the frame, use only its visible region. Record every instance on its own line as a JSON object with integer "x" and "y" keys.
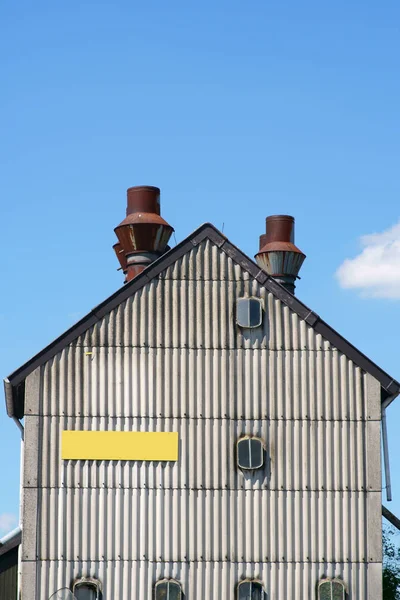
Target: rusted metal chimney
{"x": 278, "y": 255}
{"x": 143, "y": 235}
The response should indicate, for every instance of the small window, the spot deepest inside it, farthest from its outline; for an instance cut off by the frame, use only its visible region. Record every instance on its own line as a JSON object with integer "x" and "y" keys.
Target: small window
{"x": 250, "y": 590}
{"x": 250, "y": 453}
{"x": 167, "y": 589}
{"x": 331, "y": 590}
{"x": 87, "y": 589}
{"x": 249, "y": 312}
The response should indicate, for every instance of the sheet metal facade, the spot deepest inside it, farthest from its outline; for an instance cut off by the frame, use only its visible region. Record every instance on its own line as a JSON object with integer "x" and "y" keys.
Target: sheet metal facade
{"x": 171, "y": 358}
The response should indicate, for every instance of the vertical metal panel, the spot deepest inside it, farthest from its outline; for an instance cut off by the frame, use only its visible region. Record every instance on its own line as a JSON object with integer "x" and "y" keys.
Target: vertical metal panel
{"x": 171, "y": 358}
{"x": 201, "y": 383}
{"x": 176, "y": 524}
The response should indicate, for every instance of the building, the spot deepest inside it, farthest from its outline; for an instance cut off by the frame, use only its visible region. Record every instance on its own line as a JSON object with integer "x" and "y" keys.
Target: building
{"x": 9, "y": 565}
{"x": 201, "y": 433}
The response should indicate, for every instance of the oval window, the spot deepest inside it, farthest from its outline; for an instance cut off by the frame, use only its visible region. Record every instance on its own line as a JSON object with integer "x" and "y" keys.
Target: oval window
{"x": 250, "y": 590}
{"x": 249, "y": 312}
{"x": 168, "y": 590}
{"x": 331, "y": 590}
{"x": 250, "y": 453}
{"x": 87, "y": 589}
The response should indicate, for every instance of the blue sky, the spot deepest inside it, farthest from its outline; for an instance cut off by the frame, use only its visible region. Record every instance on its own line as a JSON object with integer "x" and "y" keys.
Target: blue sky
{"x": 237, "y": 110}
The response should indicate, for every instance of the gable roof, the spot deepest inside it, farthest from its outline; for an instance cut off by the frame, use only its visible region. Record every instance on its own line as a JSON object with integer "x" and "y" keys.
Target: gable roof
{"x": 14, "y": 383}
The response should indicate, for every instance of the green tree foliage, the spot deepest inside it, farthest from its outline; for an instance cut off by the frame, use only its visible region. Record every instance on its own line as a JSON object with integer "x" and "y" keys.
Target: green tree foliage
{"x": 391, "y": 566}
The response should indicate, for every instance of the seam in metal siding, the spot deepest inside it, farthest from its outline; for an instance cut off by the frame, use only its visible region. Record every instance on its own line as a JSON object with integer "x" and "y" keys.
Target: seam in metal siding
{"x": 220, "y": 525}
{"x": 209, "y": 580}
{"x": 300, "y": 455}
{"x": 155, "y": 382}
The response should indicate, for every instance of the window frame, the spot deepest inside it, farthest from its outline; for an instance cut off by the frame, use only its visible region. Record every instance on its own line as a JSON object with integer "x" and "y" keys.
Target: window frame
{"x": 332, "y": 581}
{"x": 252, "y": 581}
{"x": 168, "y": 581}
{"x": 89, "y": 582}
{"x": 57, "y": 593}
{"x": 249, "y": 299}
{"x": 250, "y": 438}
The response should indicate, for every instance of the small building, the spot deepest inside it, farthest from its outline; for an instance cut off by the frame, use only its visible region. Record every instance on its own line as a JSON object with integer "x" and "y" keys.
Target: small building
{"x": 9, "y": 546}
{"x": 201, "y": 433}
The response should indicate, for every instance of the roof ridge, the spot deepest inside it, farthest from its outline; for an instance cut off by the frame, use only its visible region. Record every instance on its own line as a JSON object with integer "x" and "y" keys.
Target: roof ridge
{"x": 205, "y": 231}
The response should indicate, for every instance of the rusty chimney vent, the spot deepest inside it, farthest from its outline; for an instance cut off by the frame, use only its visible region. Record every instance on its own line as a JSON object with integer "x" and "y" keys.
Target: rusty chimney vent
{"x": 143, "y": 235}
{"x": 278, "y": 255}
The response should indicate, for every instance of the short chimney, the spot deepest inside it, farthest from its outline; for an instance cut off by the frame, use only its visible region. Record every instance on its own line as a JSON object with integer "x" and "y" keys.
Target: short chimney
{"x": 143, "y": 235}
{"x": 278, "y": 255}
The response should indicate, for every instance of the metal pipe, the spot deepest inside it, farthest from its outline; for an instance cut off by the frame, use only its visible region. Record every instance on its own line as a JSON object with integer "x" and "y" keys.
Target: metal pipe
{"x": 386, "y": 456}
{"x": 385, "y": 445}
{"x": 143, "y": 235}
{"x": 278, "y": 255}
{"x": 388, "y": 401}
{"x": 21, "y": 512}
{"x": 20, "y": 426}
{"x": 10, "y": 406}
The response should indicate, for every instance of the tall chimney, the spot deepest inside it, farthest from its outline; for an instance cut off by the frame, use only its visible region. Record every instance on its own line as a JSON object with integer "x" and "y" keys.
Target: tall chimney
{"x": 278, "y": 255}
{"x": 143, "y": 235}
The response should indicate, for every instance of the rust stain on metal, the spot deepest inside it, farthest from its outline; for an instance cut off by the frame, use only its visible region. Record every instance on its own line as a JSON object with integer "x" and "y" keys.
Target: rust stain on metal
{"x": 263, "y": 240}
{"x": 143, "y": 235}
{"x": 120, "y": 255}
{"x": 143, "y": 198}
{"x": 278, "y": 255}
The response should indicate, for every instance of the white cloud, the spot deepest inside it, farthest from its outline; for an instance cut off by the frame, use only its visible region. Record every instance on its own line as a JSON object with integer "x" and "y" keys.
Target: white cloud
{"x": 8, "y": 522}
{"x": 376, "y": 270}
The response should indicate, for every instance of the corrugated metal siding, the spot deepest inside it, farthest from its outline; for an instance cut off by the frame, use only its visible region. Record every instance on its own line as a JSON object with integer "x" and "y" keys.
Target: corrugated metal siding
{"x": 210, "y": 525}
{"x": 8, "y": 582}
{"x": 154, "y": 382}
{"x": 301, "y": 455}
{"x": 205, "y": 580}
{"x": 172, "y": 358}
{"x": 205, "y": 313}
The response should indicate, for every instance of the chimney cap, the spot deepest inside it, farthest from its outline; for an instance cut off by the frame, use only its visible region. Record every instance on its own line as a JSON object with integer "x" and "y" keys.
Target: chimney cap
{"x": 138, "y": 188}
{"x": 143, "y": 235}
{"x": 143, "y": 199}
{"x": 285, "y": 217}
{"x": 278, "y": 255}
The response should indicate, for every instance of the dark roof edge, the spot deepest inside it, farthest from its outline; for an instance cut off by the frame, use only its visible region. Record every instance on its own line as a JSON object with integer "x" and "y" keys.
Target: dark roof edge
{"x": 14, "y": 383}
{"x": 391, "y": 517}
{"x": 390, "y": 386}
{"x": 206, "y": 231}
{"x": 13, "y": 541}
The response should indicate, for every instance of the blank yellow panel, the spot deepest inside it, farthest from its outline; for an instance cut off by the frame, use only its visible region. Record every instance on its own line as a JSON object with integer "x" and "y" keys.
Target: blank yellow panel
{"x": 119, "y": 445}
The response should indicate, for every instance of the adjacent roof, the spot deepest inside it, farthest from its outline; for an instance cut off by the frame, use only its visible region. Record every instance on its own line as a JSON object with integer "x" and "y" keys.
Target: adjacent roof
{"x": 14, "y": 384}
{"x": 10, "y": 541}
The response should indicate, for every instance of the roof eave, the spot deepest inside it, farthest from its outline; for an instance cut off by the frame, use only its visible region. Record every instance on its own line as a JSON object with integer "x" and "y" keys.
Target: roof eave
{"x": 15, "y": 399}
{"x": 10, "y": 541}
{"x": 8, "y": 393}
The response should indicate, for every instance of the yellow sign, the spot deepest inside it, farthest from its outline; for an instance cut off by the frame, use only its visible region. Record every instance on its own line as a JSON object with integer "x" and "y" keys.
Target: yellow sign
{"x": 119, "y": 445}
